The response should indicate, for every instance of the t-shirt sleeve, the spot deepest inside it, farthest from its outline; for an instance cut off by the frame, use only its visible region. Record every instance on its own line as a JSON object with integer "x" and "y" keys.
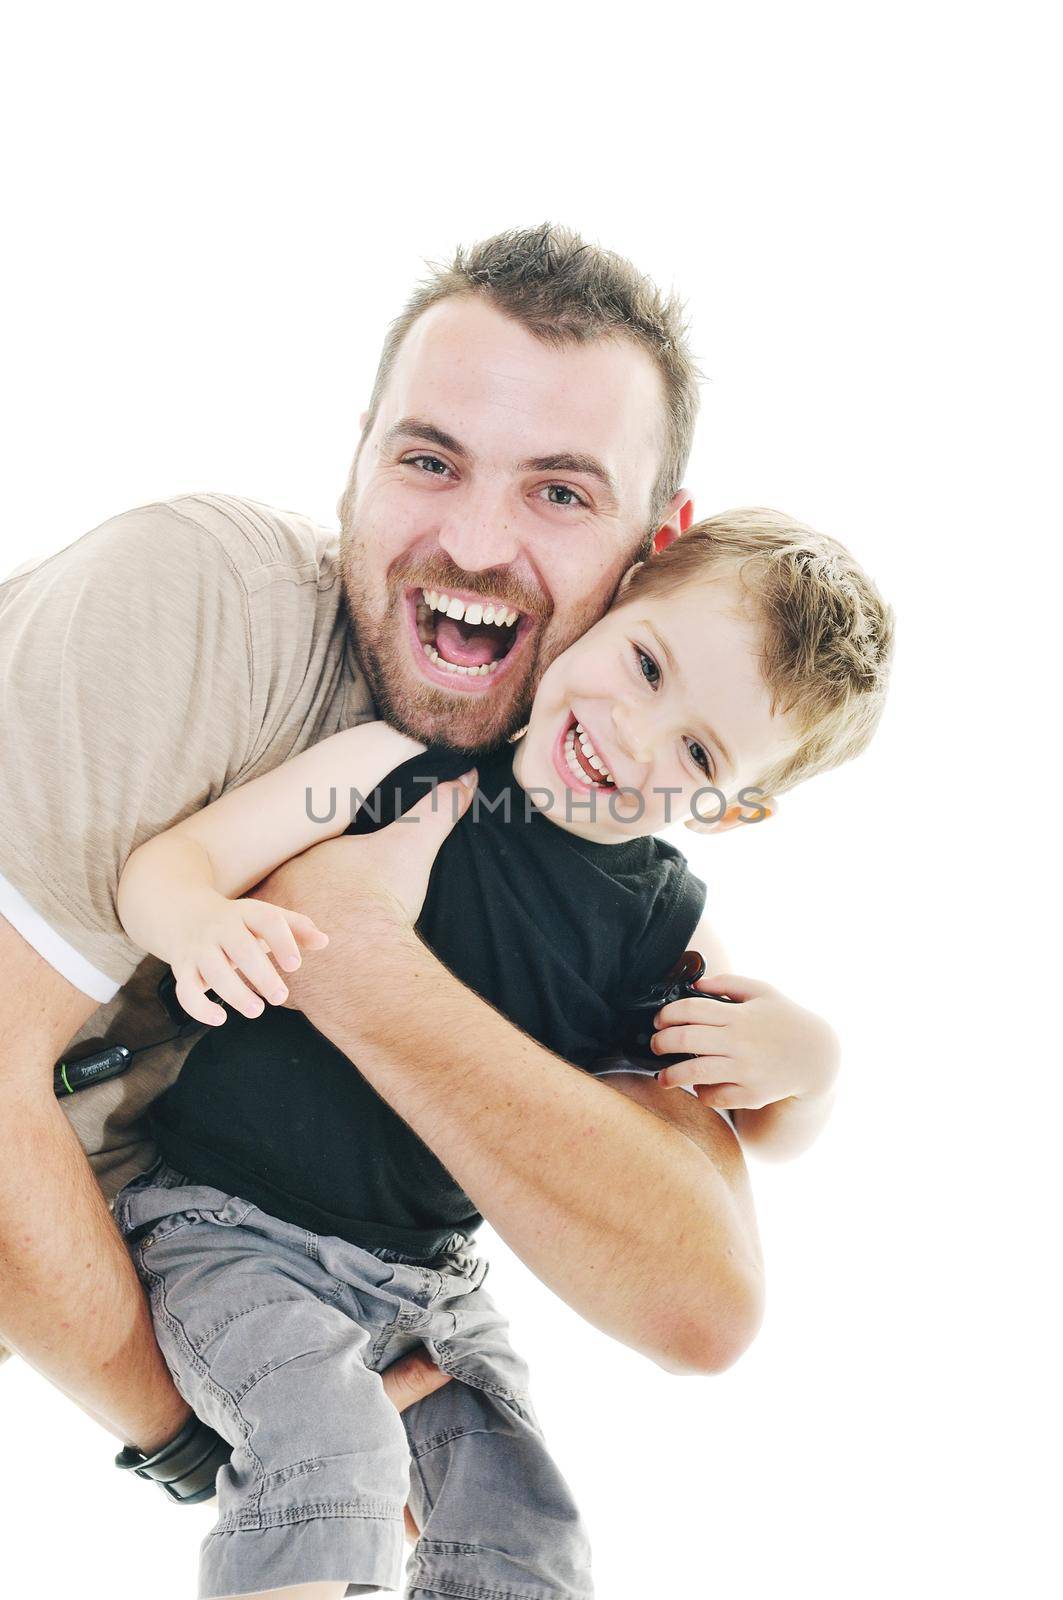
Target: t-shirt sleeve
{"x": 125, "y": 704}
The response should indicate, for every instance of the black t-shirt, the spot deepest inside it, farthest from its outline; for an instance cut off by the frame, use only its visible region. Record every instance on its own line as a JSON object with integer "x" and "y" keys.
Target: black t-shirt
{"x": 553, "y": 930}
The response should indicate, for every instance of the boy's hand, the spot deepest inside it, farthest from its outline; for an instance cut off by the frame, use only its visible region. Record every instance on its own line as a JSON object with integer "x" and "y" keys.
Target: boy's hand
{"x": 748, "y": 1055}
{"x": 225, "y": 942}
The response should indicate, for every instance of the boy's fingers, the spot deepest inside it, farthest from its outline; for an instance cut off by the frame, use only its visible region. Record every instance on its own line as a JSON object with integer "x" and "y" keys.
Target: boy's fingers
{"x": 246, "y": 953}
{"x": 685, "y": 1074}
{"x": 731, "y": 983}
{"x": 306, "y": 932}
{"x": 685, "y": 1040}
{"x": 705, "y": 1012}
{"x": 271, "y": 923}
{"x": 721, "y": 1096}
{"x": 192, "y": 998}
{"x": 218, "y": 975}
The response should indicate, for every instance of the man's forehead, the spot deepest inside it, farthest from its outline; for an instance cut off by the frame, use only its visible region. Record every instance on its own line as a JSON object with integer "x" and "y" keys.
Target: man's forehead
{"x": 487, "y": 381}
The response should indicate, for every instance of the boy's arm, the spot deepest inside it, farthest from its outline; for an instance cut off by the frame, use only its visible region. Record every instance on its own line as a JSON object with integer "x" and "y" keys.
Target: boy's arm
{"x": 801, "y": 1043}
{"x": 176, "y": 895}
{"x": 785, "y": 1128}
{"x": 234, "y": 842}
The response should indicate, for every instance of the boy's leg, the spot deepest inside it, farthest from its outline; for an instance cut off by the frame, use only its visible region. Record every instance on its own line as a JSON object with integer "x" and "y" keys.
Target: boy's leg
{"x": 244, "y": 1315}
{"x": 299, "y": 1591}
{"x": 495, "y": 1513}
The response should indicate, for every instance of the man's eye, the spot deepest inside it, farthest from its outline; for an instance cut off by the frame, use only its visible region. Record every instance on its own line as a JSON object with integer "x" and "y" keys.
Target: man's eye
{"x": 700, "y": 757}
{"x": 430, "y": 464}
{"x": 573, "y": 499}
{"x": 648, "y": 667}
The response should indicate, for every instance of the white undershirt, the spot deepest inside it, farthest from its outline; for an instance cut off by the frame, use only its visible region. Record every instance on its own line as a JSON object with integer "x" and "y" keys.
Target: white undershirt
{"x": 67, "y": 961}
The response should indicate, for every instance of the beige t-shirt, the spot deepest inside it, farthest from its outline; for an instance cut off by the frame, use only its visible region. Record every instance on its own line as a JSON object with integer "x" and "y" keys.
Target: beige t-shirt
{"x": 174, "y": 652}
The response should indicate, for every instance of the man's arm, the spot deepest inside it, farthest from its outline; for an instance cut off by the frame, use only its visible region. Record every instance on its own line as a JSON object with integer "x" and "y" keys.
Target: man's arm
{"x": 70, "y": 1300}
{"x": 633, "y": 1209}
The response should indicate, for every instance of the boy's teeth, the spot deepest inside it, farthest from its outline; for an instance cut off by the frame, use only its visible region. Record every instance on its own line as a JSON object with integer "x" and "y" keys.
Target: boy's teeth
{"x": 475, "y": 611}
{"x": 588, "y": 750}
{"x": 591, "y": 753}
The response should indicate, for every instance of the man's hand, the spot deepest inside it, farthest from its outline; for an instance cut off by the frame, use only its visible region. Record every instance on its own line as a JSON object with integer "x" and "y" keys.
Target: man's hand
{"x": 380, "y": 879}
{"x": 405, "y": 1382}
{"x": 750, "y": 1055}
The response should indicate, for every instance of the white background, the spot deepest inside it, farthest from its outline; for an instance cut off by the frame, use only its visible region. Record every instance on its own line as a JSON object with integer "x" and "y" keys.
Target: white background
{"x": 211, "y": 213}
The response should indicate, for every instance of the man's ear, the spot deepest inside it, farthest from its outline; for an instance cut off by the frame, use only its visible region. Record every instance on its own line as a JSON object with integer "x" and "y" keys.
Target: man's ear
{"x": 760, "y": 810}
{"x": 678, "y": 517}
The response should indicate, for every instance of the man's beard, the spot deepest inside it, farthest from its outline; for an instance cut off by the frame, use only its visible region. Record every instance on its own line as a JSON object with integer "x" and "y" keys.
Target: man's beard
{"x": 473, "y": 722}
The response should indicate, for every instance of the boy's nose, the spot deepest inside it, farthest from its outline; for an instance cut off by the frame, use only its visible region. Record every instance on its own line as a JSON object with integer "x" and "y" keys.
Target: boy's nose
{"x": 632, "y": 736}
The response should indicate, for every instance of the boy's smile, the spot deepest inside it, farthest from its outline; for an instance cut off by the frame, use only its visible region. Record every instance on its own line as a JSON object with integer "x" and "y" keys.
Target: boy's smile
{"x": 660, "y": 701}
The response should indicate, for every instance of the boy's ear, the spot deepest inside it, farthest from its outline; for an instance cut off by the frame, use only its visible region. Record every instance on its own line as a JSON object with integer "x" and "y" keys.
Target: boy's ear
{"x": 736, "y": 815}
{"x": 678, "y": 517}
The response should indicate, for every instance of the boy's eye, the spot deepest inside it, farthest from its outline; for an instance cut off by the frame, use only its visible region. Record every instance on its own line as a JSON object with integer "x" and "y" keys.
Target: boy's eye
{"x": 648, "y": 667}
{"x": 700, "y": 757}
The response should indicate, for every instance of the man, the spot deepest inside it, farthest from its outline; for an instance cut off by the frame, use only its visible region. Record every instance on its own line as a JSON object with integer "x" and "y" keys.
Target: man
{"x": 525, "y": 441}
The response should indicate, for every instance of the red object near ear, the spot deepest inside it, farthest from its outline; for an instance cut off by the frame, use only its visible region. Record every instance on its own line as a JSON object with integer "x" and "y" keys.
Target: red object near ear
{"x": 666, "y": 536}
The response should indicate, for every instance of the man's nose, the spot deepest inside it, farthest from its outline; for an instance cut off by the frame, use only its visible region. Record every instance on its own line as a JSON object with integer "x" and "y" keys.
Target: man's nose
{"x": 632, "y": 734}
{"x": 478, "y": 531}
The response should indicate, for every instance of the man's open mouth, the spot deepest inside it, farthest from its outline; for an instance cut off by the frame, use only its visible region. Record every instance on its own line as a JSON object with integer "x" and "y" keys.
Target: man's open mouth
{"x": 466, "y": 641}
{"x": 576, "y": 754}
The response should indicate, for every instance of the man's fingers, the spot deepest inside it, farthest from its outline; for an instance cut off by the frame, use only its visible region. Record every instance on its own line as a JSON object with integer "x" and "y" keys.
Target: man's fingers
{"x": 412, "y": 1377}
{"x": 406, "y": 1381}
{"x": 444, "y": 805}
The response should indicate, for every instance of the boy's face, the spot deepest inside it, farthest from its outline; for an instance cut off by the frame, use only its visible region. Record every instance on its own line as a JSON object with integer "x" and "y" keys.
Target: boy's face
{"x": 664, "y": 693}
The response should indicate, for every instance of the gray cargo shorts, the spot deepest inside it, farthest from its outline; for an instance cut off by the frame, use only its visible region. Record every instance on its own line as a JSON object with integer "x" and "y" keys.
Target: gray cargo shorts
{"x": 277, "y": 1338}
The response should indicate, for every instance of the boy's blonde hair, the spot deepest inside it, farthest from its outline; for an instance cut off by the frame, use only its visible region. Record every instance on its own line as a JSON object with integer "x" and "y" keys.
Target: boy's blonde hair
{"x": 828, "y": 633}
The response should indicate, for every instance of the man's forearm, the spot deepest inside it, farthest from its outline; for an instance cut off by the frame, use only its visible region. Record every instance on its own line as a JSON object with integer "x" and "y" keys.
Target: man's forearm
{"x": 620, "y": 1213}
{"x": 785, "y": 1128}
{"x": 70, "y": 1300}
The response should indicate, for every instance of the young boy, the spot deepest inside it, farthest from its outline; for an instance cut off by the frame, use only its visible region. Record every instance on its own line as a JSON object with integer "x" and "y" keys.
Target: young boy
{"x": 297, "y": 1236}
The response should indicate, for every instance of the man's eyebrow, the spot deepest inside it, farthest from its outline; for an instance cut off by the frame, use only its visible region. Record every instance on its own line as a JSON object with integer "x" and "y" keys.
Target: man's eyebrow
{"x": 571, "y": 461}
{"x": 414, "y": 428}
{"x": 714, "y": 737}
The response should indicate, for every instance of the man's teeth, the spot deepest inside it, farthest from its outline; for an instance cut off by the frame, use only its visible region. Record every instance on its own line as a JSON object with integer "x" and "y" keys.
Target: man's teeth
{"x": 437, "y": 660}
{"x": 475, "y": 612}
{"x": 595, "y": 760}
